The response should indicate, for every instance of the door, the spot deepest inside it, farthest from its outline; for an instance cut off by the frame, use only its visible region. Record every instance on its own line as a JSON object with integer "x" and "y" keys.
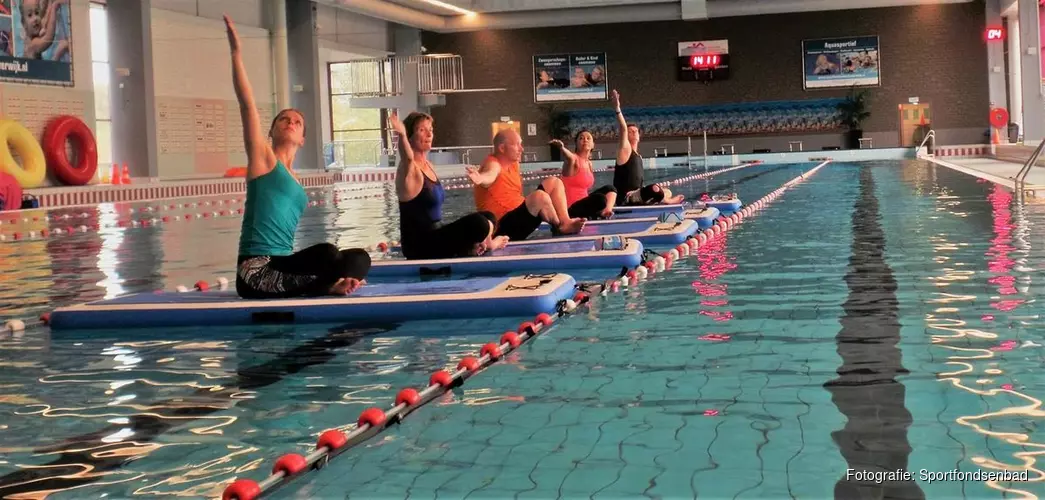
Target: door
{"x": 915, "y": 122}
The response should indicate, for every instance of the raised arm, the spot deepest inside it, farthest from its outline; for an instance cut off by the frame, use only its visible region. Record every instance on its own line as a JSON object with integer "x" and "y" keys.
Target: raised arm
{"x": 569, "y": 158}
{"x": 623, "y": 147}
{"x": 260, "y": 158}
{"x": 407, "y": 171}
{"x": 486, "y": 173}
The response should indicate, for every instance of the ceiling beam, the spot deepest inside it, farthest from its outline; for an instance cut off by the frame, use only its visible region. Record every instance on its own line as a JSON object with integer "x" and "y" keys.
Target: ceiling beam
{"x": 668, "y": 10}
{"x": 694, "y": 10}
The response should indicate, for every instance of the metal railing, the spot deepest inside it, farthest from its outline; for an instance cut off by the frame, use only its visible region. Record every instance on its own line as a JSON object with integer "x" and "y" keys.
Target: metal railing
{"x": 930, "y": 137}
{"x": 1020, "y": 181}
{"x": 689, "y": 151}
{"x": 385, "y": 76}
{"x": 439, "y": 73}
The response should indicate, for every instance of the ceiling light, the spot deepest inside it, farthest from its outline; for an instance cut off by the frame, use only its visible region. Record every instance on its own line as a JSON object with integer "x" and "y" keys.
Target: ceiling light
{"x": 447, "y": 6}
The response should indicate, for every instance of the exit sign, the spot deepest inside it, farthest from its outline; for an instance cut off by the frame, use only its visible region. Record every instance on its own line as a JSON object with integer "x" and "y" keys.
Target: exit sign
{"x": 995, "y": 34}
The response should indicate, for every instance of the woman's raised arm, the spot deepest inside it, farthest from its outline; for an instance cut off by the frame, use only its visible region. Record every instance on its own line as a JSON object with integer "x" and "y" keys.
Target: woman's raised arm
{"x": 260, "y": 158}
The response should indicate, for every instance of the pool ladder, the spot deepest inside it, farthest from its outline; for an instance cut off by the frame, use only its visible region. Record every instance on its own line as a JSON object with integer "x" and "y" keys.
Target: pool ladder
{"x": 931, "y": 151}
{"x": 1020, "y": 181}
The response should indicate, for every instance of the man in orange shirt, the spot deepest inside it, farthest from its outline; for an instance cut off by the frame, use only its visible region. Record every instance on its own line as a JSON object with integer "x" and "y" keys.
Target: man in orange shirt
{"x": 499, "y": 191}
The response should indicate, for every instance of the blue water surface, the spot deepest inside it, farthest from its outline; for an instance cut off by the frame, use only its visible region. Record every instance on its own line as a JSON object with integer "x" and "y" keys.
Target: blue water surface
{"x": 880, "y": 315}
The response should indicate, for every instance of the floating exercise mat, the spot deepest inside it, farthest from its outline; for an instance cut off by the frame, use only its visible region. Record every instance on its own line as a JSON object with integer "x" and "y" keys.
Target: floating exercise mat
{"x": 516, "y": 296}
{"x": 547, "y": 255}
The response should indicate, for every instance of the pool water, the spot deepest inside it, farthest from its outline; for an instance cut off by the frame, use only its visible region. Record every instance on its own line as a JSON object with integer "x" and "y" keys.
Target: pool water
{"x": 879, "y": 316}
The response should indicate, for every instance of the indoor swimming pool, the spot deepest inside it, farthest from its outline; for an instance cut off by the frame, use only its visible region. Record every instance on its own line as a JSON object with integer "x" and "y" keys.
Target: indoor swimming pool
{"x": 881, "y": 312}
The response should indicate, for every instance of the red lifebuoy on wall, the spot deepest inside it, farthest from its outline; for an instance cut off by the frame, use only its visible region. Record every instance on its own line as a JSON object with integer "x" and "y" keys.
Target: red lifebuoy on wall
{"x": 64, "y": 128}
{"x": 999, "y": 117}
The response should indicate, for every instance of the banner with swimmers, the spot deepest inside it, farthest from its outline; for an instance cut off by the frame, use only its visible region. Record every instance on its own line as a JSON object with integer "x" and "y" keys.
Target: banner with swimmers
{"x": 570, "y": 77}
{"x": 36, "y": 42}
{"x": 840, "y": 62}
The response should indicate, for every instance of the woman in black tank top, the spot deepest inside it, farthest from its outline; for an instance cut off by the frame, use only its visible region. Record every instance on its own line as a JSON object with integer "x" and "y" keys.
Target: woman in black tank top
{"x": 627, "y": 174}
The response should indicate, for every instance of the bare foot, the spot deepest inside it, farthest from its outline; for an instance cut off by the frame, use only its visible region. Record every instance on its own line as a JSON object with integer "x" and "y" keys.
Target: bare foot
{"x": 345, "y": 286}
{"x": 572, "y": 226}
{"x": 674, "y": 200}
{"x": 498, "y": 243}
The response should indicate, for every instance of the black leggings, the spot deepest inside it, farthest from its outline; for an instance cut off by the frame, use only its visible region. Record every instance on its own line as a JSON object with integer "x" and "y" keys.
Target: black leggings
{"x": 649, "y": 194}
{"x": 307, "y": 273}
{"x": 456, "y": 239}
{"x": 591, "y": 206}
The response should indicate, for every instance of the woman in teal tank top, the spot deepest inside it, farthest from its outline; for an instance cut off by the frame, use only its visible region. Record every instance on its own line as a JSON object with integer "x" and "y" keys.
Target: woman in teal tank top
{"x": 267, "y": 266}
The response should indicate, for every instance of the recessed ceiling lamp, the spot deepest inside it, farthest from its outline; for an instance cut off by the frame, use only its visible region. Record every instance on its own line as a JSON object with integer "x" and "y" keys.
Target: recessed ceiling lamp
{"x": 447, "y": 6}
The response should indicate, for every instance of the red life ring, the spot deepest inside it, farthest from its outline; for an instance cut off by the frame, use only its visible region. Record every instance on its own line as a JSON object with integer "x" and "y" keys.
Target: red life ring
{"x": 57, "y": 132}
{"x": 999, "y": 117}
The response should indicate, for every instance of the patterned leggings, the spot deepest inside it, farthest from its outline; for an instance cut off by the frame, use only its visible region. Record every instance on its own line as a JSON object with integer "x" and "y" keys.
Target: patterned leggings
{"x": 307, "y": 273}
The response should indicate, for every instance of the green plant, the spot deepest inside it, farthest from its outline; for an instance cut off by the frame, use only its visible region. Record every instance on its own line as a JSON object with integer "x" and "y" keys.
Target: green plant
{"x": 556, "y": 122}
{"x": 853, "y": 109}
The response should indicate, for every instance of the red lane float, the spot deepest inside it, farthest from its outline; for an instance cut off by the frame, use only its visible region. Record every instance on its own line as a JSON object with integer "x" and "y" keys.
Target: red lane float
{"x": 333, "y": 442}
{"x": 57, "y": 132}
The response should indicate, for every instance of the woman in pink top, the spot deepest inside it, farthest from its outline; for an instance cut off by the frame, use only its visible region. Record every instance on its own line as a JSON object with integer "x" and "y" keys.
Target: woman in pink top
{"x": 578, "y": 176}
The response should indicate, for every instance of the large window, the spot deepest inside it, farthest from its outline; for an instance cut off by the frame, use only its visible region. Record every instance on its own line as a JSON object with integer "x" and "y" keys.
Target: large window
{"x": 100, "y": 71}
{"x": 357, "y": 132}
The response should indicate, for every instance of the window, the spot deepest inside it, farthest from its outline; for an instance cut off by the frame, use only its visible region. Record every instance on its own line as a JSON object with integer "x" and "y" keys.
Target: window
{"x": 358, "y": 135}
{"x": 100, "y": 72}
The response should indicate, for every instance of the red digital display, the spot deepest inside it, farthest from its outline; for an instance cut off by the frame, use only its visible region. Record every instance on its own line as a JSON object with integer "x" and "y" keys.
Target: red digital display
{"x": 995, "y": 34}
{"x": 705, "y": 61}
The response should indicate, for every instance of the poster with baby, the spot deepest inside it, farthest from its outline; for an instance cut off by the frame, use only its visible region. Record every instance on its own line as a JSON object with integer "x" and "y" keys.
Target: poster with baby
{"x": 36, "y": 42}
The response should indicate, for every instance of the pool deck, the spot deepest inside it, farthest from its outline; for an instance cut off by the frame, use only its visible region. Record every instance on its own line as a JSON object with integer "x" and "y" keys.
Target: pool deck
{"x": 1000, "y": 169}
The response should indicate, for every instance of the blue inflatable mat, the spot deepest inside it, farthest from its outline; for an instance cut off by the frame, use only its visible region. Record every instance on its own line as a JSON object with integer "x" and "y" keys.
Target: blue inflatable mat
{"x": 705, "y": 217}
{"x": 649, "y": 232}
{"x": 620, "y": 227}
{"x": 727, "y": 207}
{"x": 642, "y": 211}
{"x": 516, "y": 296}
{"x": 544, "y": 255}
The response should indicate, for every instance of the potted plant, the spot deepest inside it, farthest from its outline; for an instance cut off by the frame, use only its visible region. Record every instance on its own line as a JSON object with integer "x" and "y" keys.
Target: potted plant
{"x": 557, "y": 123}
{"x": 853, "y": 111}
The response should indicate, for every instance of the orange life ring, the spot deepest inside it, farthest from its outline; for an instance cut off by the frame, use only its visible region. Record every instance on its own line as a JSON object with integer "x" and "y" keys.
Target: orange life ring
{"x": 64, "y": 128}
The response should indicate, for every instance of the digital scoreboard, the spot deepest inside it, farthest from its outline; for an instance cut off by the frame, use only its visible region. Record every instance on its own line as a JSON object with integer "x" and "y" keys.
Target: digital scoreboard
{"x": 703, "y": 61}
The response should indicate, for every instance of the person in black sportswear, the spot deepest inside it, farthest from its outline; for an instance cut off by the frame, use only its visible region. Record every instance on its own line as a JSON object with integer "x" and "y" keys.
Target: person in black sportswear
{"x": 627, "y": 174}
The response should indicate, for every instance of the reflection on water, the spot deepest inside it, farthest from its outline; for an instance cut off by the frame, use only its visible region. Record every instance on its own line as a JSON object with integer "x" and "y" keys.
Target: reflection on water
{"x": 982, "y": 358}
{"x": 179, "y": 412}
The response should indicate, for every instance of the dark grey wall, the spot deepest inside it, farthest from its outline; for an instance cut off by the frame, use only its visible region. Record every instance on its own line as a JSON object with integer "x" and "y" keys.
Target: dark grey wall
{"x": 303, "y": 63}
{"x": 934, "y": 52}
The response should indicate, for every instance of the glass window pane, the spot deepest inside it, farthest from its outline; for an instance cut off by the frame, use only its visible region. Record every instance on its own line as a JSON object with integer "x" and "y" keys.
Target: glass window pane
{"x": 345, "y": 117}
{"x": 357, "y": 147}
{"x": 925, "y": 113}
{"x": 99, "y": 34}
{"x": 361, "y": 78}
{"x": 101, "y": 91}
{"x": 103, "y": 136}
{"x": 340, "y": 80}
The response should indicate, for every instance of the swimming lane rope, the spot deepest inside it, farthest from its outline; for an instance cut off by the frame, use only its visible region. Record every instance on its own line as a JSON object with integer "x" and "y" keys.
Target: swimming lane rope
{"x": 150, "y": 215}
{"x": 372, "y": 421}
